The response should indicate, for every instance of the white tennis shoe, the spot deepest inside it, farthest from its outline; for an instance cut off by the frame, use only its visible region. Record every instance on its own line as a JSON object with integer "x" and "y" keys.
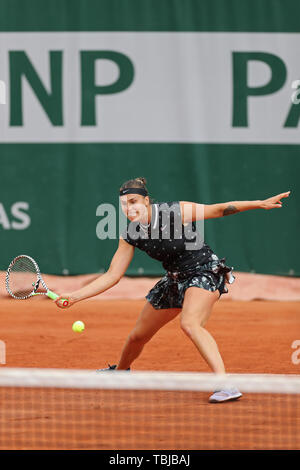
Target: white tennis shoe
{"x": 225, "y": 395}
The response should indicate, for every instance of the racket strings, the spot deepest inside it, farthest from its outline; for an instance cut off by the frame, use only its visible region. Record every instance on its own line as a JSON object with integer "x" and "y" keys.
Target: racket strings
{"x": 23, "y": 278}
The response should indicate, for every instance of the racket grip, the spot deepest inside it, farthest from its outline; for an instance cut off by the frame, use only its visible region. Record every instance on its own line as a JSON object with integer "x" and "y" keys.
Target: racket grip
{"x": 54, "y": 296}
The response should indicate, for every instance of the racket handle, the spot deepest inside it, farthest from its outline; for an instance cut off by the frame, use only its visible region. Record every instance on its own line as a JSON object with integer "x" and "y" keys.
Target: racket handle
{"x": 54, "y": 296}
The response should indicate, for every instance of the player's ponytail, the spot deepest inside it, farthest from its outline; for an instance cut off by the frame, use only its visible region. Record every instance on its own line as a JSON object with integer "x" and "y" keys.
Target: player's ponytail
{"x": 141, "y": 180}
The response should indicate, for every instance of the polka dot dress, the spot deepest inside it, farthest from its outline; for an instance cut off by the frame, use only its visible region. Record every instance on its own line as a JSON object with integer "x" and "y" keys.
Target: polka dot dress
{"x": 187, "y": 259}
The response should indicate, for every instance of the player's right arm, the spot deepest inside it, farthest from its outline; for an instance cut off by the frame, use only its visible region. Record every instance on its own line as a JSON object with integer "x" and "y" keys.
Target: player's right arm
{"x": 118, "y": 267}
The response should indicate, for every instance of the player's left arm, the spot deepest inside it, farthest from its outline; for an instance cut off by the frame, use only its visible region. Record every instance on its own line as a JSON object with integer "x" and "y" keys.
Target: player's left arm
{"x": 191, "y": 211}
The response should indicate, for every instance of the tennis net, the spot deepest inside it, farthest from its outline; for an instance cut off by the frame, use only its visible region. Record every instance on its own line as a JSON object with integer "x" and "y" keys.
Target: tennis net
{"x": 70, "y": 409}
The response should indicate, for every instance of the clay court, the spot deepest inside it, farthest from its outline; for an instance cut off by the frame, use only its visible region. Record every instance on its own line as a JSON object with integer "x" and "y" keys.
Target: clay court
{"x": 254, "y": 336}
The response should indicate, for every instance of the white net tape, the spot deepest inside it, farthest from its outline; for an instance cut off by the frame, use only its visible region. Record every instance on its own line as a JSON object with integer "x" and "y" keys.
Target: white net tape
{"x": 87, "y": 379}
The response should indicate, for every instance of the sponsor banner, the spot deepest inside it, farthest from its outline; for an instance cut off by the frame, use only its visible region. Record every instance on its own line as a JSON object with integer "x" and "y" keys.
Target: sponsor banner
{"x": 161, "y": 87}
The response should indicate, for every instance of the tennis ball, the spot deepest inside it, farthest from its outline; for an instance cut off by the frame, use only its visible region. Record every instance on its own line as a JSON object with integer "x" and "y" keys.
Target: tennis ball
{"x": 78, "y": 326}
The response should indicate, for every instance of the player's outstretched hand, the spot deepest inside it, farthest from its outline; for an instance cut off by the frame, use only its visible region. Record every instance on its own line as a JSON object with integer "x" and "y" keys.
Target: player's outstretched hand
{"x": 64, "y": 301}
{"x": 275, "y": 201}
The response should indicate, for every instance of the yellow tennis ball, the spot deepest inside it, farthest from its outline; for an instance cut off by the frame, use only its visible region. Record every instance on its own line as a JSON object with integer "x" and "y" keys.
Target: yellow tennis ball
{"x": 78, "y": 326}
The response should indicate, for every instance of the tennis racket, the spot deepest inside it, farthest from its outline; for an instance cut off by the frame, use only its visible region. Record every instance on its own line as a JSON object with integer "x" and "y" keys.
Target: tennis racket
{"x": 24, "y": 280}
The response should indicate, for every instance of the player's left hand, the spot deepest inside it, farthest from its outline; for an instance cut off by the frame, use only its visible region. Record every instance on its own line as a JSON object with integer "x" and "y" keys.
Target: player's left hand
{"x": 274, "y": 202}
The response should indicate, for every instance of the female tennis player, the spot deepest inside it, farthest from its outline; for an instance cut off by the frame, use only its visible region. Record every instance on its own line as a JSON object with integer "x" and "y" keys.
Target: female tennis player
{"x": 195, "y": 277}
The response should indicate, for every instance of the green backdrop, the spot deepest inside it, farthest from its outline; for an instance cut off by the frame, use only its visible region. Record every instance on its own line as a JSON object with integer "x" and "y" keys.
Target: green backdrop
{"x": 63, "y": 183}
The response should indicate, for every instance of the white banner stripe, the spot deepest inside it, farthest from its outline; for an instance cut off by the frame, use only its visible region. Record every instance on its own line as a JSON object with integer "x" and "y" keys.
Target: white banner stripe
{"x": 181, "y": 92}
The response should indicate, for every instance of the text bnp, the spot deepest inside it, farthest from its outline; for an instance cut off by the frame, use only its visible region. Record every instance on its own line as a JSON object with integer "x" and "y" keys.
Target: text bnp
{"x": 51, "y": 97}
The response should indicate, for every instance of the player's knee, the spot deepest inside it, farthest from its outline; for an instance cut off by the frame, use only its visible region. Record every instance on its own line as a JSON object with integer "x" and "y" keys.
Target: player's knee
{"x": 187, "y": 326}
{"x": 189, "y": 323}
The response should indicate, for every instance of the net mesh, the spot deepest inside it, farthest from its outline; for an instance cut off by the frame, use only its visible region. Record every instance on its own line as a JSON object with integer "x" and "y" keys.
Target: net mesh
{"x": 57, "y": 409}
{"x": 21, "y": 278}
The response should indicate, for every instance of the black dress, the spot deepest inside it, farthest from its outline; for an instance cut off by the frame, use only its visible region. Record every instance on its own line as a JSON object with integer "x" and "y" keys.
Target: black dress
{"x": 187, "y": 259}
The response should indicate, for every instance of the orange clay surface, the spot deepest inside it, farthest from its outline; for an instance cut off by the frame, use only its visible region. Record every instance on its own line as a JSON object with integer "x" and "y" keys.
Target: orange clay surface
{"x": 253, "y": 337}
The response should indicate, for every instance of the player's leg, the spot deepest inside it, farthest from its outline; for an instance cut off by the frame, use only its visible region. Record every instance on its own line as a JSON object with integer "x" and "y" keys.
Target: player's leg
{"x": 148, "y": 323}
{"x": 197, "y": 307}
